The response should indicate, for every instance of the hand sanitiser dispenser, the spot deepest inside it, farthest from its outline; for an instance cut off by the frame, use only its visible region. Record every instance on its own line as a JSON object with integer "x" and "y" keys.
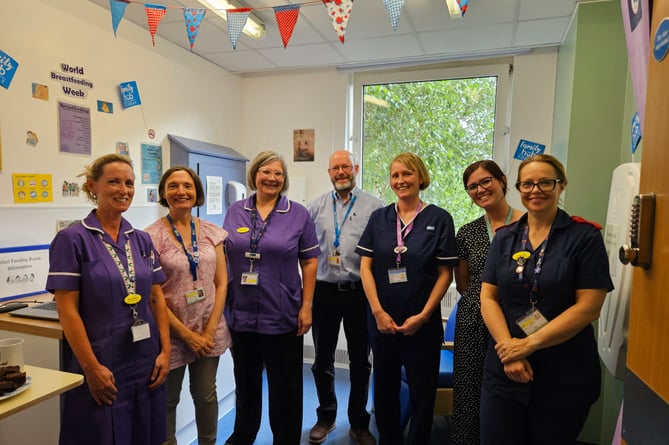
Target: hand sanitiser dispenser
{"x": 614, "y": 318}
{"x": 236, "y": 191}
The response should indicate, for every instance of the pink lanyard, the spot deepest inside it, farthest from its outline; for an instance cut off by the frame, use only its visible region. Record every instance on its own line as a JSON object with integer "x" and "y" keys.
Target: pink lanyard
{"x": 401, "y": 248}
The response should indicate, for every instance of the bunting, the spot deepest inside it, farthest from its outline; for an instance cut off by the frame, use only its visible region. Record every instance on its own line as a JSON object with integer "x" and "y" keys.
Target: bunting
{"x": 236, "y": 22}
{"x": 117, "y": 8}
{"x": 286, "y": 18}
{"x": 339, "y": 12}
{"x": 193, "y": 17}
{"x": 154, "y": 14}
{"x": 394, "y": 7}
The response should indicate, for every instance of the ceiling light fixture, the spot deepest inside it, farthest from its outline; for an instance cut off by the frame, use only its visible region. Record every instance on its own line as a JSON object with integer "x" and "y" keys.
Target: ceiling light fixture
{"x": 456, "y": 8}
{"x": 254, "y": 27}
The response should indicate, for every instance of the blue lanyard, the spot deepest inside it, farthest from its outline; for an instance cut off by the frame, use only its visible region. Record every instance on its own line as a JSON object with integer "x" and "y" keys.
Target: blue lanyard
{"x": 257, "y": 233}
{"x": 534, "y": 289}
{"x": 193, "y": 259}
{"x": 336, "y": 223}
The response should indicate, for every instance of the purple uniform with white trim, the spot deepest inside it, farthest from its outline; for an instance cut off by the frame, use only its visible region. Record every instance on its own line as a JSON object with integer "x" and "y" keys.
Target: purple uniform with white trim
{"x": 80, "y": 261}
{"x": 272, "y": 306}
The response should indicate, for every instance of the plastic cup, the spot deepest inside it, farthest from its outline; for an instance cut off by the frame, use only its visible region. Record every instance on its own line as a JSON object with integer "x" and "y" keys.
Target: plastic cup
{"x": 11, "y": 352}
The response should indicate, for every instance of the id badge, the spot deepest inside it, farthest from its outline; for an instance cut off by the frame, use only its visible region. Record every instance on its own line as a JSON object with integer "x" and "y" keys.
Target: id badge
{"x": 140, "y": 331}
{"x": 250, "y": 279}
{"x": 252, "y": 255}
{"x": 532, "y": 321}
{"x": 334, "y": 260}
{"x": 195, "y": 295}
{"x": 397, "y": 275}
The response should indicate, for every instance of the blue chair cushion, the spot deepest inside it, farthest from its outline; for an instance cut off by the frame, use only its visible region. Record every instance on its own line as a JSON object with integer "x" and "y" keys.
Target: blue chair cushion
{"x": 445, "y": 370}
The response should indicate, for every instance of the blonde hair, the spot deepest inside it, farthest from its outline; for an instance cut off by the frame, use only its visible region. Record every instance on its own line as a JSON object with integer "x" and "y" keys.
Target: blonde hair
{"x": 263, "y": 158}
{"x": 94, "y": 170}
{"x": 415, "y": 163}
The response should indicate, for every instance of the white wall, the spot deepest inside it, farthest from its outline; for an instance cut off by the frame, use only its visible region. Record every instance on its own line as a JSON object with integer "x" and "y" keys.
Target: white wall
{"x": 181, "y": 94}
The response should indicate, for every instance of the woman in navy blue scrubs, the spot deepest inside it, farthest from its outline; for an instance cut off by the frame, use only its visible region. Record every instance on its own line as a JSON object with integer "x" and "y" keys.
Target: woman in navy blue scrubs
{"x": 544, "y": 283}
{"x": 408, "y": 253}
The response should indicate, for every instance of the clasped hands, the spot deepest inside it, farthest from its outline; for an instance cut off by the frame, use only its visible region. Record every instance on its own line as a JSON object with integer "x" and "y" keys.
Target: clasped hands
{"x": 386, "y": 324}
{"x": 513, "y": 353}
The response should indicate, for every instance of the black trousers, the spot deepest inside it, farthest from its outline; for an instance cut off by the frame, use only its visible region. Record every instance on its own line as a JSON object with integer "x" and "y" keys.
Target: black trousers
{"x": 331, "y": 306}
{"x": 419, "y": 355}
{"x": 281, "y": 356}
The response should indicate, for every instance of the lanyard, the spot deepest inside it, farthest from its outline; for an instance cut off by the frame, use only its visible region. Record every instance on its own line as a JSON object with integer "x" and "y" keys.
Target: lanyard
{"x": 129, "y": 275}
{"x": 336, "y": 223}
{"x": 537, "y": 267}
{"x": 193, "y": 259}
{"x": 257, "y": 233}
{"x": 401, "y": 248}
{"x": 489, "y": 225}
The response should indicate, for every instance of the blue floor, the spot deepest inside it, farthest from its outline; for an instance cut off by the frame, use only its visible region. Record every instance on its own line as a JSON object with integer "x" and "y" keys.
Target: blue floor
{"x": 337, "y": 437}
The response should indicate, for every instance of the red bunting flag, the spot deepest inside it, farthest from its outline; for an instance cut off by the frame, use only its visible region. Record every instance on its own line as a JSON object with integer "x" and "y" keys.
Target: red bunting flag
{"x": 154, "y": 14}
{"x": 286, "y": 18}
{"x": 339, "y": 12}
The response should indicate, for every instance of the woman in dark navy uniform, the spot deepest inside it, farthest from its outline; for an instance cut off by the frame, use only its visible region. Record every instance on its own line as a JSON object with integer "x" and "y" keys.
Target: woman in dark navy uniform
{"x": 408, "y": 253}
{"x": 544, "y": 283}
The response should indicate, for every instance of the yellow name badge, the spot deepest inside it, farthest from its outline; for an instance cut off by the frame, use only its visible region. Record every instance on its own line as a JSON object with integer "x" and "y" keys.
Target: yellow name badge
{"x": 524, "y": 254}
{"x": 132, "y": 299}
{"x": 242, "y": 229}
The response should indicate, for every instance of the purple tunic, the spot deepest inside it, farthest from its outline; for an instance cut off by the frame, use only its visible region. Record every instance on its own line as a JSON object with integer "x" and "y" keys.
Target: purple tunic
{"x": 80, "y": 261}
{"x": 272, "y": 306}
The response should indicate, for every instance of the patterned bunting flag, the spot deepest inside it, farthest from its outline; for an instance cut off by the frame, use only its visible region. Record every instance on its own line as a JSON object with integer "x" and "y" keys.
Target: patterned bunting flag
{"x": 236, "y": 22}
{"x": 193, "y": 17}
{"x": 286, "y": 18}
{"x": 394, "y": 7}
{"x": 463, "y": 6}
{"x": 154, "y": 14}
{"x": 117, "y": 8}
{"x": 339, "y": 11}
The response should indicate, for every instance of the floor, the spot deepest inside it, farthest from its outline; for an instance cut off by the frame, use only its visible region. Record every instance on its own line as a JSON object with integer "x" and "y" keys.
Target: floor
{"x": 337, "y": 437}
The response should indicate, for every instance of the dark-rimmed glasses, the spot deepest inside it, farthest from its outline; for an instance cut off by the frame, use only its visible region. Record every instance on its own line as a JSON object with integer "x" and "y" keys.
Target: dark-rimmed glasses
{"x": 544, "y": 185}
{"x": 484, "y": 183}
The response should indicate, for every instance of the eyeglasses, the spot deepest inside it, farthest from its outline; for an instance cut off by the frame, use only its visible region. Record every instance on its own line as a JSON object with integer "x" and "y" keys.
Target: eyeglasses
{"x": 270, "y": 173}
{"x": 343, "y": 168}
{"x": 484, "y": 183}
{"x": 544, "y": 185}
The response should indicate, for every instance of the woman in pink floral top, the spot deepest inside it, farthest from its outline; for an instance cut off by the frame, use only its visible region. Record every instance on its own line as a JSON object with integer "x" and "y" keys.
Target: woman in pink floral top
{"x": 191, "y": 254}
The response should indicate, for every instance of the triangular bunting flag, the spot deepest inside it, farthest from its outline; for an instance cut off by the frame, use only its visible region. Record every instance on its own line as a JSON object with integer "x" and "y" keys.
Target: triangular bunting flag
{"x": 339, "y": 11}
{"x": 394, "y": 7}
{"x": 193, "y": 17}
{"x": 236, "y": 22}
{"x": 463, "y": 6}
{"x": 286, "y": 17}
{"x": 154, "y": 14}
{"x": 117, "y": 8}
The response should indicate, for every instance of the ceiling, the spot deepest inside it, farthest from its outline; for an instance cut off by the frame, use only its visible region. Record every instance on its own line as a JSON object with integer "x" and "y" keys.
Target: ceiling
{"x": 425, "y": 34}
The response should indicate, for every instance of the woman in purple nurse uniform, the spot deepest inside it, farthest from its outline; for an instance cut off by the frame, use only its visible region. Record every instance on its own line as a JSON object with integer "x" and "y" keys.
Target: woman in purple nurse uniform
{"x": 106, "y": 281}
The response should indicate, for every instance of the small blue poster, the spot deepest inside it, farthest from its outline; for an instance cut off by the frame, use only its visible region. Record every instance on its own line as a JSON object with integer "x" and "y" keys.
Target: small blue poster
{"x": 636, "y": 132}
{"x": 8, "y": 68}
{"x": 152, "y": 163}
{"x": 526, "y": 149}
{"x": 129, "y": 94}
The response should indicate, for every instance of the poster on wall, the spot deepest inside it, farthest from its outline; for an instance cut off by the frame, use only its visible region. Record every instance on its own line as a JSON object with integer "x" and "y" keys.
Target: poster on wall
{"x": 304, "y": 145}
{"x": 152, "y": 163}
{"x": 23, "y": 271}
{"x": 74, "y": 124}
{"x": 30, "y": 188}
{"x": 8, "y": 67}
{"x": 214, "y": 198}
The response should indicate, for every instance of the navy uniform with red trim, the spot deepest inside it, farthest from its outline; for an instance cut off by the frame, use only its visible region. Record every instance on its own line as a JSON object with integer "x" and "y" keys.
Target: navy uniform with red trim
{"x": 566, "y": 376}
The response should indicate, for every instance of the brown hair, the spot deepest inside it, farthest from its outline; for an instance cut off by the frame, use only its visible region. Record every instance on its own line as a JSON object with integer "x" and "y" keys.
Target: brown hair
{"x": 199, "y": 190}
{"x": 264, "y": 158}
{"x": 548, "y": 159}
{"x": 488, "y": 165}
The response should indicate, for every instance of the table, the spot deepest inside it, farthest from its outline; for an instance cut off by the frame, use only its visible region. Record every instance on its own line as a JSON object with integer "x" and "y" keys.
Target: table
{"x": 46, "y": 383}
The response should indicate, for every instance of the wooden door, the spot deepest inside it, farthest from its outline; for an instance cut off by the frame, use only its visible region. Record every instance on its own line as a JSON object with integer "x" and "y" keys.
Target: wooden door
{"x": 646, "y": 409}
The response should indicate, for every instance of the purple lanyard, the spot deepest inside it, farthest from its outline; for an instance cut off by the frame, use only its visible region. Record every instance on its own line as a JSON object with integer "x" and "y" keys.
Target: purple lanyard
{"x": 534, "y": 289}
{"x": 401, "y": 248}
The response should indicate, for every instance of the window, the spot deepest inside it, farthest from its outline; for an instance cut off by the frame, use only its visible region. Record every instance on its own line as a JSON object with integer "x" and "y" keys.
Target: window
{"x": 449, "y": 117}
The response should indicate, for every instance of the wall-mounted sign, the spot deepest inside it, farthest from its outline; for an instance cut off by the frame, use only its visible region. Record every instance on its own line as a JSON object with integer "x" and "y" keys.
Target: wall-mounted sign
{"x": 30, "y": 188}
{"x": 8, "y": 68}
{"x": 129, "y": 94}
{"x": 661, "y": 40}
{"x": 23, "y": 271}
{"x": 71, "y": 83}
{"x": 526, "y": 149}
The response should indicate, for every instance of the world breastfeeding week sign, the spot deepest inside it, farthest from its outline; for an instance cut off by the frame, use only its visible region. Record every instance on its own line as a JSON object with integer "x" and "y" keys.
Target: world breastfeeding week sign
{"x": 72, "y": 81}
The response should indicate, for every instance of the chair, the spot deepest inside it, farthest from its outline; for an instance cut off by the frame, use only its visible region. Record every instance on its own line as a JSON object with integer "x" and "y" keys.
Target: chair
{"x": 443, "y": 403}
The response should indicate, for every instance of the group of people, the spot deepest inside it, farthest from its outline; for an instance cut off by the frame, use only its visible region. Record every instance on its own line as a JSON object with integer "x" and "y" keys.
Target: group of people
{"x": 139, "y": 307}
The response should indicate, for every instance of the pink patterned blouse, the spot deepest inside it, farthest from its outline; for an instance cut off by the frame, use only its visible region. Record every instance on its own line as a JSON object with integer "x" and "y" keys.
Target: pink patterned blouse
{"x": 179, "y": 281}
